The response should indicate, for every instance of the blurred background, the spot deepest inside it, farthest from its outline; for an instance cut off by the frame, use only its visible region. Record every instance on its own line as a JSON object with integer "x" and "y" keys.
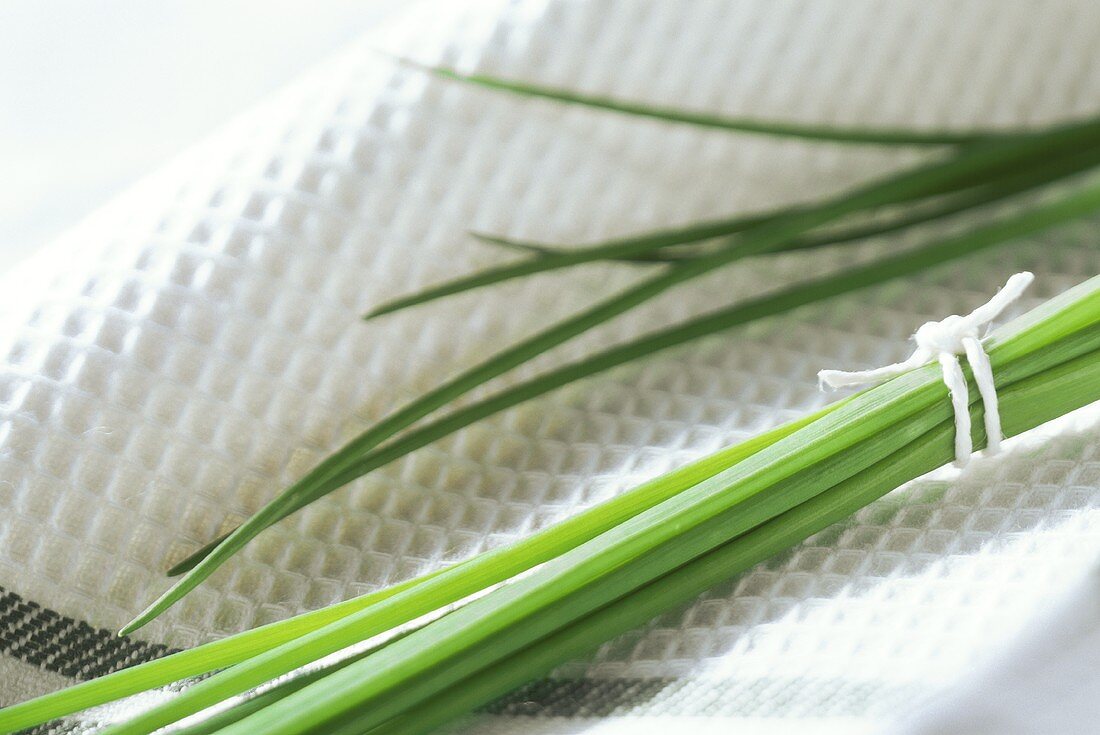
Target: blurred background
{"x": 96, "y": 95}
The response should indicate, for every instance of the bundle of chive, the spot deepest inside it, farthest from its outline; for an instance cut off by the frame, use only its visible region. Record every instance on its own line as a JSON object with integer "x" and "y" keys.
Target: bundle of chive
{"x": 615, "y": 566}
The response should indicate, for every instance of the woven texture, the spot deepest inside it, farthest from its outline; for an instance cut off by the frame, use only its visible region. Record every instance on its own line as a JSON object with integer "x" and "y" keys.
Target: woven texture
{"x": 172, "y": 363}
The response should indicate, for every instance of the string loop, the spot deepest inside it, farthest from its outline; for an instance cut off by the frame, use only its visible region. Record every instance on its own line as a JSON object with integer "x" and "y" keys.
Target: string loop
{"x": 944, "y": 341}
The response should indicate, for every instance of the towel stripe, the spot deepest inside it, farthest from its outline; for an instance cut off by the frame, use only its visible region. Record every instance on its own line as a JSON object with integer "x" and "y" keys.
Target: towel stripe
{"x": 42, "y": 637}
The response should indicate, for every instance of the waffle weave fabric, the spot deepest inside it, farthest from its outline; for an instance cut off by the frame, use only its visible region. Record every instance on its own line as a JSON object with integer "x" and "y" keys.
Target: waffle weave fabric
{"x": 173, "y": 362}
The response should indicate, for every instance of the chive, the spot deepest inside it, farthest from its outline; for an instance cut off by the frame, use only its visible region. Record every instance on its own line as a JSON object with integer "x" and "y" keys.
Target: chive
{"x": 348, "y": 463}
{"x": 973, "y": 198}
{"x": 1046, "y": 396}
{"x": 929, "y": 178}
{"x": 212, "y": 722}
{"x": 1024, "y": 405}
{"x": 449, "y": 585}
{"x": 182, "y": 664}
{"x": 779, "y": 477}
{"x": 633, "y": 553}
{"x": 863, "y": 420}
{"x": 353, "y": 726}
{"x": 231, "y": 650}
{"x": 493, "y": 567}
{"x": 970, "y": 166}
{"x": 647, "y": 248}
{"x": 709, "y": 120}
{"x": 1070, "y": 319}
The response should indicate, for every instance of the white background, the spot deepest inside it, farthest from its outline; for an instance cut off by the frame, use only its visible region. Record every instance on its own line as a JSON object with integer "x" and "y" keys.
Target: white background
{"x": 95, "y": 95}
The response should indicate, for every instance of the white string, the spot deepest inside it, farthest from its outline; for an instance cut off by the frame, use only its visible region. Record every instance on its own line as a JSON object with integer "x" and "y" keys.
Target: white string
{"x": 944, "y": 341}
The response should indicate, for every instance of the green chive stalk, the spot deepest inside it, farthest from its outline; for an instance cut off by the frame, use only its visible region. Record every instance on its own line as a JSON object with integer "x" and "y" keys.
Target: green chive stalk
{"x": 947, "y": 206}
{"x": 827, "y": 451}
{"x": 650, "y": 249}
{"x": 785, "y": 300}
{"x": 234, "y": 649}
{"x": 830, "y": 133}
{"x": 1023, "y": 405}
{"x": 9, "y": 716}
{"x": 830, "y": 450}
{"x": 447, "y": 586}
{"x": 998, "y": 233}
{"x": 981, "y": 172}
{"x": 980, "y": 160}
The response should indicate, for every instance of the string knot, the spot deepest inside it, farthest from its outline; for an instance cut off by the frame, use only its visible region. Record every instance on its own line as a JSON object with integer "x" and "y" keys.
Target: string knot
{"x": 946, "y": 335}
{"x": 944, "y": 341}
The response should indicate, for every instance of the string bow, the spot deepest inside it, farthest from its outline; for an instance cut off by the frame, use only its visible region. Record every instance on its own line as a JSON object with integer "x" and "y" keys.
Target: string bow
{"x": 944, "y": 341}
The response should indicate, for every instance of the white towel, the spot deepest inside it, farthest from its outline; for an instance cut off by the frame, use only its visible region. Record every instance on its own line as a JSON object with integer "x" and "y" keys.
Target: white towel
{"x": 170, "y": 365}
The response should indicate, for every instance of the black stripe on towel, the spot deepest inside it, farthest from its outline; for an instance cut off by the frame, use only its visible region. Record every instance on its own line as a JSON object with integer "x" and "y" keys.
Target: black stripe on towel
{"x": 41, "y": 637}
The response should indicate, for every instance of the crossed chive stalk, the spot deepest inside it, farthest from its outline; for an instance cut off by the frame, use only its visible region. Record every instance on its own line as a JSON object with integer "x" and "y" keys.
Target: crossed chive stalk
{"x": 978, "y": 169}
